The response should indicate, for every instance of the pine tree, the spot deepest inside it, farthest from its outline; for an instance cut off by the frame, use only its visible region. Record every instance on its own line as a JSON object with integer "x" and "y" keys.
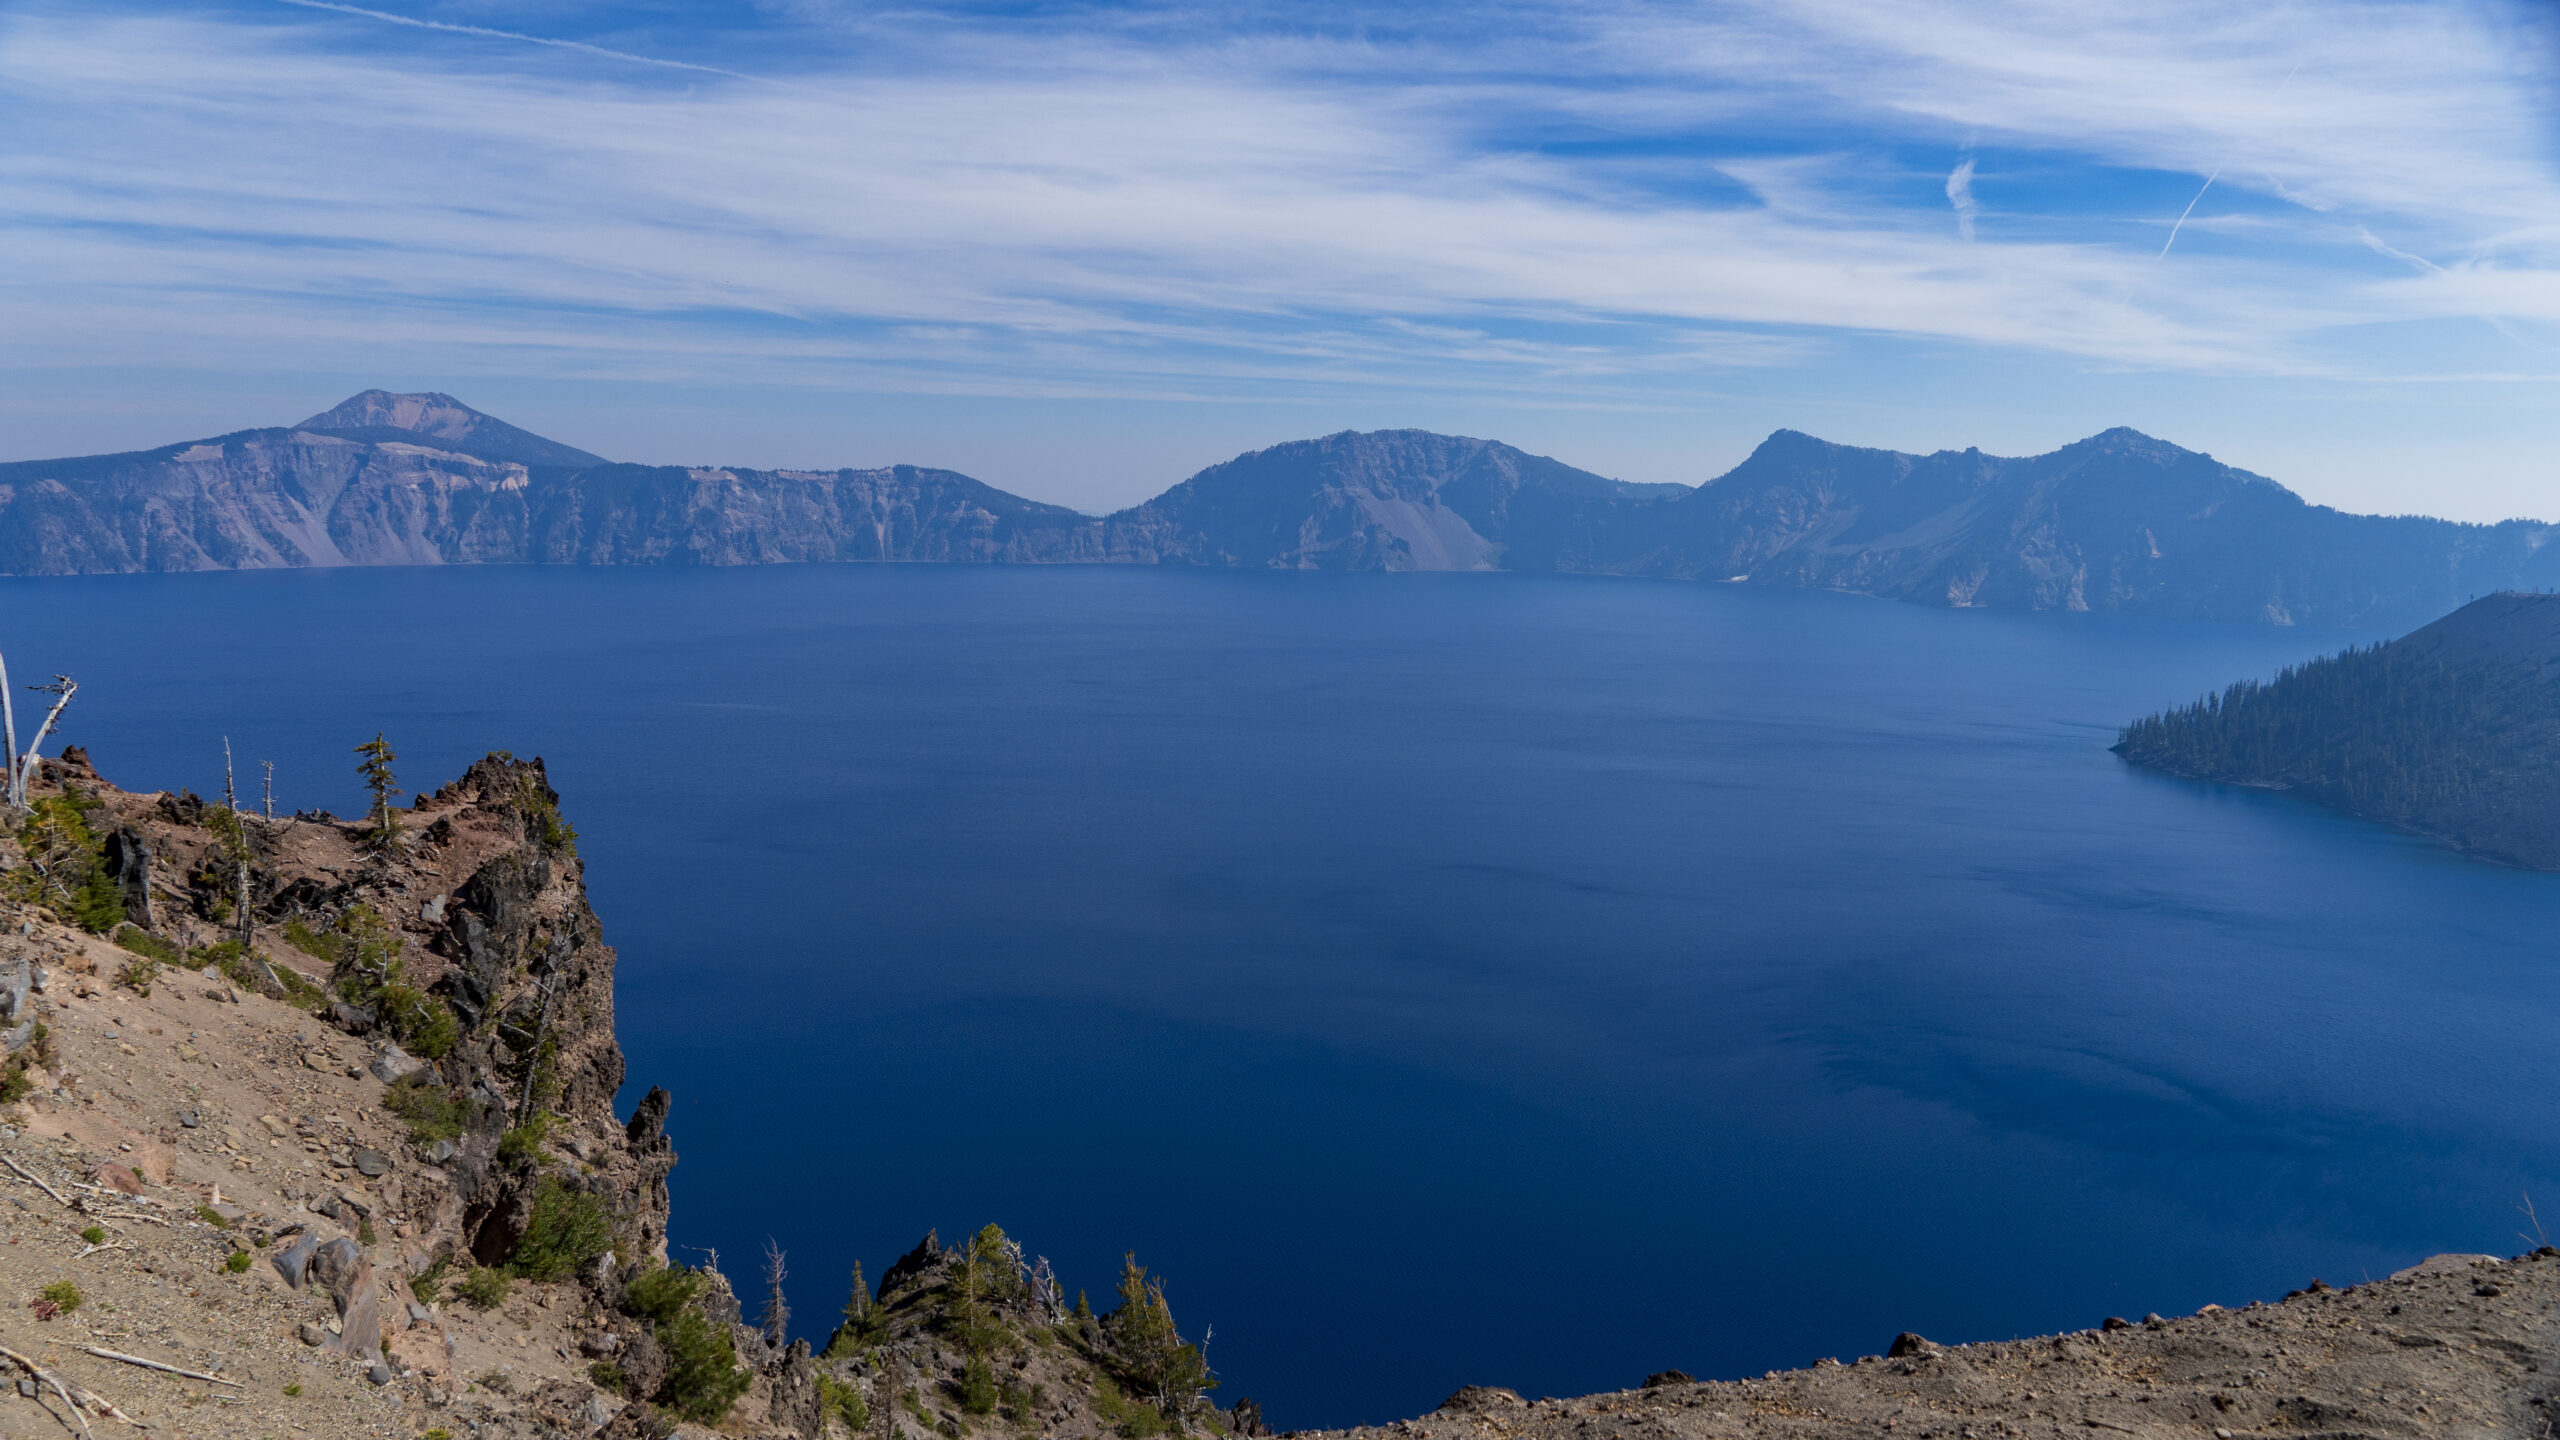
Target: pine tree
{"x": 375, "y": 767}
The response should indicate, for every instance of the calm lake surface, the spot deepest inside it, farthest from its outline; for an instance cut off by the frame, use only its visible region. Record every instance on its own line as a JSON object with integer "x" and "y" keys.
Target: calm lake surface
{"x": 1441, "y": 979}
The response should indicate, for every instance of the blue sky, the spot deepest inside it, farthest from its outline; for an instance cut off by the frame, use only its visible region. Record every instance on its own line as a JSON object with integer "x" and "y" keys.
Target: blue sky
{"x": 1082, "y": 250}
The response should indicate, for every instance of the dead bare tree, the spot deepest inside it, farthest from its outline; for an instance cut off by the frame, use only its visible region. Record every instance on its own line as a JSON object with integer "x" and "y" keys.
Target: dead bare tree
{"x": 8, "y": 739}
{"x": 777, "y": 1310}
{"x": 23, "y": 769}
{"x": 239, "y": 856}
{"x": 271, "y": 790}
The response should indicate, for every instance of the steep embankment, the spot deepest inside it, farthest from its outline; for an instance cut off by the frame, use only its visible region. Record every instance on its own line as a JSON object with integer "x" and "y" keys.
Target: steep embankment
{"x": 2119, "y": 521}
{"x": 358, "y": 1169}
{"x": 2452, "y": 731}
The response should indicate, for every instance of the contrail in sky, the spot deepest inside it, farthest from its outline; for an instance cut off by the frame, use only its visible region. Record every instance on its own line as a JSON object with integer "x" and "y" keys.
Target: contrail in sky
{"x": 390, "y": 19}
{"x": 2217, "y": 172}
{"x": 2164, "y": 245}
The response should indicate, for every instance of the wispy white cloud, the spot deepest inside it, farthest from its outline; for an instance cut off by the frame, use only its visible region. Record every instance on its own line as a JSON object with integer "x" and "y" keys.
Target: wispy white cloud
{"x": 1095, "y": 212}
{"x": 1960, "y": 195}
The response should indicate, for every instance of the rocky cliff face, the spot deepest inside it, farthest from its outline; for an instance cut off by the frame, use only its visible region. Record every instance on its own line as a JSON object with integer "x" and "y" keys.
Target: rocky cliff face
{"x": 2116, "y": 522}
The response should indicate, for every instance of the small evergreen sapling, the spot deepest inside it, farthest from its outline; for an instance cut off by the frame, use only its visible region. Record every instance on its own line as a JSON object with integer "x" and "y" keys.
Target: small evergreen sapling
{"x": 375, "y": 767}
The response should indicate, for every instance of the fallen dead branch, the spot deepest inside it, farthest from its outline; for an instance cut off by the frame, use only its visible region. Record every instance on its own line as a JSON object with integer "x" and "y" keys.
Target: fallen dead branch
{"x": 156, "y": 1365}
{"x": 78, "y": 1397}
{"x": 32, "y": 1178}
{"x": 94, "y": 1249}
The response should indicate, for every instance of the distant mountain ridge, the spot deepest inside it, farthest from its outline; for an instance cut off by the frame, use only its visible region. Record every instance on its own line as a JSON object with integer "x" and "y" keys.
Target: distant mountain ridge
{"x": 2119, "y": 521}
{"x": 2452, "y": 731}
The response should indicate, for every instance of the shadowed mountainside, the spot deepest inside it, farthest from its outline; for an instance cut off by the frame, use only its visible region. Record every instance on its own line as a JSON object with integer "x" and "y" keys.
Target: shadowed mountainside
{"x": 2453, "y": 731}
{"x": 2119, "y": 521}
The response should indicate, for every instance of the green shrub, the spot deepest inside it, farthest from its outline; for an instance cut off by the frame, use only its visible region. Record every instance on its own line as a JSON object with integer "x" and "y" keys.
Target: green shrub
{"x": 230, "y": 957}
{"x": 94, "y": 1235}
{"x": 239, "y": 1262}
{"x": 1132, "y": 1420}
{"x": 364, "y": 1230}
{"x": 977, "y": 1388}
{"x": 433, "y": 1112}
{"x": 484, "y": 1288}
{"x": 523, "y": 1143}
{"x": 844, "y": 1402}
{"x": 302, "y": 937}
{"x": 15, "y": 1083}
{"x": 293, "y": 1389}
{"x": 143, "y": 942}
{"x": 212, "y": 1217}
{"x": 608, "y": 1376}
{"x": 299, "y": 992}
{"x": 543, "y": 821}
{"x": 70, "y": 871}
{"x": 567, "y": 1231}
{"x": 703, "y": 1378}
{"x": 137, "y": 974}
{"x": 427, "y": 1282}
{"x": 659, "y": 1294}
{"x": 423, "y": 1024}
{"x": 66, "y": 1297}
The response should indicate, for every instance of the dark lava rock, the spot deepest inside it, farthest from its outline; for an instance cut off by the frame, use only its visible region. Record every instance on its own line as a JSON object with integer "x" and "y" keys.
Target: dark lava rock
{"x": 2116, "y": 1322}
{"x": 1661, "y": 1378}
{"x": 1908, "y": 1344}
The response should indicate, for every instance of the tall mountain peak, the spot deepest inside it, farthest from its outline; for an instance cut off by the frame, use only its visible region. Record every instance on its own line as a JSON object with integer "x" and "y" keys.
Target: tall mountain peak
{"x": 431, "y": 417}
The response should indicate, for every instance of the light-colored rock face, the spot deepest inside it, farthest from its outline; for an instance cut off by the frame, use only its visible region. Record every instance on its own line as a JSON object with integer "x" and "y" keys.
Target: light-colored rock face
{"x": 426, "y": 414}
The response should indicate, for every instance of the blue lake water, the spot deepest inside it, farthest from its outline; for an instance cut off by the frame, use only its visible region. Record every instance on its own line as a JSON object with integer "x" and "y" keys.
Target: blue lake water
{"x": 1442, "y": 979}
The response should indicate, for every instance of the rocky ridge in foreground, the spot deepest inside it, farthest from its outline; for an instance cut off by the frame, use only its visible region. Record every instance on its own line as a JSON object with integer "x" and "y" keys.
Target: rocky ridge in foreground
{"x": 362, "y": 1177}
{"x": 2460, "y": 1345}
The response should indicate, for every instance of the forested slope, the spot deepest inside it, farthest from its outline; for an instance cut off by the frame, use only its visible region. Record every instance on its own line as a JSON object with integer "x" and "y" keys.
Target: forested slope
{"x": 2452, "y": 731}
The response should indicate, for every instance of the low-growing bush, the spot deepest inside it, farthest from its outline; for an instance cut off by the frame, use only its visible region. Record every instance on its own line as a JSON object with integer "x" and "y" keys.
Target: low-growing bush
{"x": 64, "y": 1296}
{"x": 137, "y": 974}
{"x": 703, "y": 1378}
{"x": 567, "y": 1231}
{"x": 142, "y": 942}
{"x": 95, "y": 1235}
{"x": 484, "y": 1288}
{"x": 428, "y": 1282}
{"x": 844, "y": 1402}
{"x": 433, "y": 1111}
{"x": 238, "y": 1263}
{"x": 524, "y": 1142}
{"x": 300, "y": 935}
{"x": 423, "y": 1024}
{"x": 212, "y": 1217}
{"x": 15, "y": 1083}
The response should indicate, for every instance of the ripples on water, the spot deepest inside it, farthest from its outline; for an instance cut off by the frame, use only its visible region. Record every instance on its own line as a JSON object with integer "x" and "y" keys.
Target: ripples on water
{"x": 1443, "y": 979}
